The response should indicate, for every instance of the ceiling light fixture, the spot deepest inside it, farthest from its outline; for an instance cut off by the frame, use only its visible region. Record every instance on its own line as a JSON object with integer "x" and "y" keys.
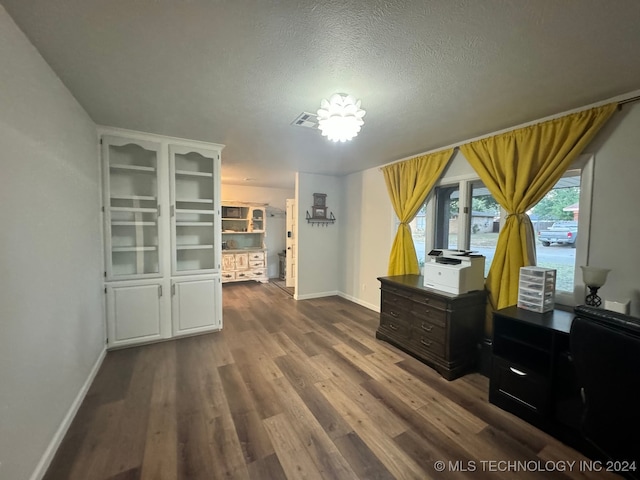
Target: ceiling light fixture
{"x": 340, "y": 118}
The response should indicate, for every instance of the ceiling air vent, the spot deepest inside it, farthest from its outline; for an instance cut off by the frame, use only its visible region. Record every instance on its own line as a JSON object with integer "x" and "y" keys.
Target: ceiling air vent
{"x": 307, "y": 120}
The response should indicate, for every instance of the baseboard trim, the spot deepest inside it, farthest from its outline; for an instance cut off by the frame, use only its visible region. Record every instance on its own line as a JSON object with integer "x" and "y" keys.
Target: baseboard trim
{"x": 309, "y": 296}
{"x": 51, "y": 450}
{"x": 370, "y": 306}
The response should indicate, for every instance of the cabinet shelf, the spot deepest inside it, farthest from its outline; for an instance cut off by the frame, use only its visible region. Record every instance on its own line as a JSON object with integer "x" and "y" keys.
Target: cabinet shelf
{"x": 522, "y": 343}
{"x": 199, "y": 212}
{"x": 194, "y": 247}
{"x": 133, "y": 249}
{"x": 133, "y": 224}
{"x": 137, "y": 168}
{"x": 188, "y": 173}
{"x": 194, "y": 200}
{"x": 194, "y": 224}
{"x": 133, "y": 209}
{"x": 241, "y": 233}
{"x": 226, "y": 219}
{"x": 134, "y": 197}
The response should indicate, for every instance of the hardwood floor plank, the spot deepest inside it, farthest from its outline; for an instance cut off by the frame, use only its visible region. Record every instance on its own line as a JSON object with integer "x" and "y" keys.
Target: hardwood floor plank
{"x": 248, "y": 423}
{"x": 406, "y": 392}
{"x": 324, "y": 413}
{"x": 227, "y": 455}
{"x": 312, "y": 435}
{"x": 132, "y": 474}
{"x": 450, "y": 448}
{"x": 364, "y": 338}
{"x": 268, "y": 468}
{"x": 260, "y": 388}
{"x": 332, "y": 364}
{"x": 293, "y": 457}
{"x": 425, "y": 454}
{"x": 351, "y": 398}
{"x": 298, "y": 370}
{"x": 252, "y": 436}
{"x": 193, "y": 458}
{"x": 362, "y": 460}
{"x": 128, "y": 451}
{"x": 160, "y": 454}
{"x": 238, "y": 397}
{"x": 394, "y": 459}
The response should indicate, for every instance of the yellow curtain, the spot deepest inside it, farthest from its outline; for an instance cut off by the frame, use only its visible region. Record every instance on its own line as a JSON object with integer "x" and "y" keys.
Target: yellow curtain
{"x": 408, "y": 184}
{"x": 519, "y": 168}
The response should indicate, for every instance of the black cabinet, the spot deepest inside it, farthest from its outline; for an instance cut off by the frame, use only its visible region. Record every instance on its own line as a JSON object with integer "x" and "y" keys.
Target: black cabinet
{"x": 532, "y": 373}
{"x": 440, "y": 329}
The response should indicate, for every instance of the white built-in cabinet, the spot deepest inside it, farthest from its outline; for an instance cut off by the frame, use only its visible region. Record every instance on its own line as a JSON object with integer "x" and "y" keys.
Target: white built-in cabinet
{"x": 161, "y": 207}
{"x": 244, "y": 255}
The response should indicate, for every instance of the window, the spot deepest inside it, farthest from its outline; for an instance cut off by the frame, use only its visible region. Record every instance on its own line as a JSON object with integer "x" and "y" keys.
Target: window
{"x": 561, "y": 224}
{"x": 447, "y": 206}
{"x": 440, "y": 224}
{"x": 466, "y": 217}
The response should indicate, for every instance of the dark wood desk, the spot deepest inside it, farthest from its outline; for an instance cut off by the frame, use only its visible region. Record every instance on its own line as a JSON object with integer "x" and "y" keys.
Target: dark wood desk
{"x": 532, "y": 374}
{"x": 440, "y": 329}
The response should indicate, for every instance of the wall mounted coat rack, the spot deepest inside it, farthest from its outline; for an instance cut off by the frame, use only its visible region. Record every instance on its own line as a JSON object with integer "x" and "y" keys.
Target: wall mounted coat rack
{"x": 319, "y": 211}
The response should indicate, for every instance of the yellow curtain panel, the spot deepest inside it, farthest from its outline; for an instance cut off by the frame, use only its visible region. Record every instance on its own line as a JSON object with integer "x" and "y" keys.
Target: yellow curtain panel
{"x": 519, "y": 168}
{"x": 408, "y": 184}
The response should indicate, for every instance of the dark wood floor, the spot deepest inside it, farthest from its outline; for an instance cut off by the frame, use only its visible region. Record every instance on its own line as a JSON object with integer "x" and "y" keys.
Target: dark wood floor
{"x": 289, "y": 390}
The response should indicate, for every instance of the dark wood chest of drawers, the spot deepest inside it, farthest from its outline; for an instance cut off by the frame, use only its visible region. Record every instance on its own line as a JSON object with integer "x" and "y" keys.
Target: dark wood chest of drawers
{"x": 438, "y": 328}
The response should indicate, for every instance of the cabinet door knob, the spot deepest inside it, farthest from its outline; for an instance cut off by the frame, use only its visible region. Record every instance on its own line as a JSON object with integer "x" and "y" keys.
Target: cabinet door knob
{"x": 518, "y": 372}
{"x": 427, "y": 328}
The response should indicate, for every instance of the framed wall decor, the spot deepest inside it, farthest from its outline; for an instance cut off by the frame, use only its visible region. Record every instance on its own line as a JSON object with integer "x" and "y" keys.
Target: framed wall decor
{"x": 318, "y": 212}
{"x": 320, "y": 200}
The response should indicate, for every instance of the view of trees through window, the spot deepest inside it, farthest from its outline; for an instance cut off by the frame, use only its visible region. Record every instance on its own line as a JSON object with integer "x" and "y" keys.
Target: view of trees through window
{"x": 555, "y": 221}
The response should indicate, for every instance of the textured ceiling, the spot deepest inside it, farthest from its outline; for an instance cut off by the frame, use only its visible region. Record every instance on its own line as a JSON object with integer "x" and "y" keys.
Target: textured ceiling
{"x": 238, "y": 72}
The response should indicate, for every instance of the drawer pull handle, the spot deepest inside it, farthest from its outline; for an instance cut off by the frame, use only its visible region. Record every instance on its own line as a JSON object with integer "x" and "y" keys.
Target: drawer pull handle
{"x": 427, "y": 329}
{"x": 392, "y": 326}
{"x": 426, "y": 344}
{"x": 393, "y": 314}
{"x": 518, "y": 372}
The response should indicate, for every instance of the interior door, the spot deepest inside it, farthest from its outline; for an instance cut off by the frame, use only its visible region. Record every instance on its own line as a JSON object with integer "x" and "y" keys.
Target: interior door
{"x": 291, "y": 243}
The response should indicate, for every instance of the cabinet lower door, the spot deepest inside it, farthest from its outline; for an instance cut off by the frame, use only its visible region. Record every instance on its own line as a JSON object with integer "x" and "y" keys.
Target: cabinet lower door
{"x": 196, "y": 306}
{"x": 134, "y": 314}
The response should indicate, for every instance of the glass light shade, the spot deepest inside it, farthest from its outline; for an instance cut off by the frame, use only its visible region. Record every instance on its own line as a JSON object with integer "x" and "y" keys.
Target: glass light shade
{"x": 594, "y": 276}
{"x": 340, "y": 117}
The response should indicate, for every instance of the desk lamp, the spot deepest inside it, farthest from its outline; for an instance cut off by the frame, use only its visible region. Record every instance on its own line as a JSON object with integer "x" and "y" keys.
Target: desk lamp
{"x": 594, "y": 278}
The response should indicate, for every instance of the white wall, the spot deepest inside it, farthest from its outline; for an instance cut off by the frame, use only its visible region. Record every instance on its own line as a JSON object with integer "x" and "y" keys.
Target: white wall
{"x": 51, "y": 327}
{"x": 368, "y": 237}
{"x": 319, "y": 247}
{"x": 275, "y": 238}
{"x": 615, "y": 223}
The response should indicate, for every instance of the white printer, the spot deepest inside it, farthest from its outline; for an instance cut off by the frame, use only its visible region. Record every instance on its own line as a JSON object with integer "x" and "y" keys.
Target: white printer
{"x": 454, "y": 271}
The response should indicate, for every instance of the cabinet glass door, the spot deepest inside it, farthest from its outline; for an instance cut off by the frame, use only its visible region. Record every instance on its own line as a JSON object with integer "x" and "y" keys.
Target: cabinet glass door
{"x": 195, "y": 228}
{"x": 131, "y": 208}
{"x": 257, "y": 219}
